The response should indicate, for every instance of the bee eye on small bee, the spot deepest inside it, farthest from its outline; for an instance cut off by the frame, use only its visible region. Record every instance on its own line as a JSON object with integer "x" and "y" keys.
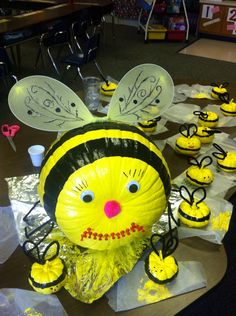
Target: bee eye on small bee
{"x": 133, "y": 186}
{"x": 87, "y": 196}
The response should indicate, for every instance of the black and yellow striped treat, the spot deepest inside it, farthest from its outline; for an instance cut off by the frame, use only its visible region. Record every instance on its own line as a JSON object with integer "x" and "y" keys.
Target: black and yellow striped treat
{"x": 226, "y": 161}
{"x": 207, "y": 118}
{"x": 192, "y": 211}
{"x": 188, "y": 143}
{"x": 219, "y": 90}
{"x": 198, "y": 174}
{"x": 228, "y": 108}
{"x": 104, "y": 184}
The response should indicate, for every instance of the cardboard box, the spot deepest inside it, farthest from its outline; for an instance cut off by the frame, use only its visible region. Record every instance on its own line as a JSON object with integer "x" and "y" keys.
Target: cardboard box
{"x": 157, "y": 32}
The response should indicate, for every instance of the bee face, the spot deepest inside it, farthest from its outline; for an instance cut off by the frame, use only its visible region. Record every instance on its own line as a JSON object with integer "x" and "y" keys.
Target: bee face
{"x": 194, "y": 215}
{"x": 49, "y": 277}
{"x": 211, "y": 119}
{"x": 228, "y": 164}
{"x": 113, "y": 189}
{"x": 200, "y": 176}
{"x": 188, "y": 145}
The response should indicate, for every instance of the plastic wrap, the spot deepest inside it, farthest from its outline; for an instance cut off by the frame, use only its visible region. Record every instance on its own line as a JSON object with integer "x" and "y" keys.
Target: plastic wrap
{"x": 17, "y": 302}
{"x": 182, "y": 113}
{"x": 195, "y": 91}
{"x": 136, "y": 289}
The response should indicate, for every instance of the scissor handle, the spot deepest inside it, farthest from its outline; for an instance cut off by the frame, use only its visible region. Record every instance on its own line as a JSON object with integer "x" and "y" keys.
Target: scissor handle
{"x": 9, "y": 130}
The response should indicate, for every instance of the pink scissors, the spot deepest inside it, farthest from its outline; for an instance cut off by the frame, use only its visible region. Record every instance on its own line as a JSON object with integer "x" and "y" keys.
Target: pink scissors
{"x": 10, "y": 131}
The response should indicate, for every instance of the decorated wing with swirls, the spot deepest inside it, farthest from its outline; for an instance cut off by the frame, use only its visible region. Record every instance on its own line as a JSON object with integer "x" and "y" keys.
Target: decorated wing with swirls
{"x": 47, "y": 104}
{"x": 143, "y": 93}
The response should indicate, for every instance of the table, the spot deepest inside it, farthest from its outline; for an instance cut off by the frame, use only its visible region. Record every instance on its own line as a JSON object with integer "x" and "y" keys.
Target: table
{"x": 14, "y": 272}
{"x": 31, "y": 19}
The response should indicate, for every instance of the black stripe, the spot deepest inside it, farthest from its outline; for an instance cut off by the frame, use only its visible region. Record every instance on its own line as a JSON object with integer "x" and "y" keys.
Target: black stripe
{"x": 148, "y": 125}
{"x": 228, "y": 112}
{"x": 93, "y": 127}
{"x": 225, "y": 167}
{"x": 49, "y": 284}
{"x": 91, "y": 151}
{"x": 208, "y": 121}
{"x": 196, "y": 181}
{"x": 194, "y": 219}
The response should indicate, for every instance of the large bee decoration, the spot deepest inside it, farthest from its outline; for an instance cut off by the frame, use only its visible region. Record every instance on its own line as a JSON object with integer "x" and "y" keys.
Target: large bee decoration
{"x": 104, "y": 182}
{"x": 192, "y": 211}
{"x": 226, "y": 161}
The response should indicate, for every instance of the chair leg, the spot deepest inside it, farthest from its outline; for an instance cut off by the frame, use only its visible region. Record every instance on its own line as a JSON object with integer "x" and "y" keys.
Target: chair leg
{"x": 53, "y": 62}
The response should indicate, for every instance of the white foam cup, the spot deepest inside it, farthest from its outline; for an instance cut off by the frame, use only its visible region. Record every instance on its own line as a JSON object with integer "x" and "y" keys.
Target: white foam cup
{"x": 36, "y": 153}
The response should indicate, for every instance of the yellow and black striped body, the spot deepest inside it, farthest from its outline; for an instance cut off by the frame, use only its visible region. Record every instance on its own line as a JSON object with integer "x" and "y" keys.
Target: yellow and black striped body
{"x": 108, "y": 89}
{"x": 161, "y": 270}
{"x": 104, "y": 184}
{"x": 49, "y": 277}
{"x": 148, "y": 126}
{"x": 228, "y": 164}
{"x": 195, "y": 215}
{"x": 218, "y": 92}
{"x": 209, "y": 119}
{"x": 199, "y": 176}
{"x": 228, "y": 109}
{"x": 188, "y": 146}
{"x": 204, "y": 134}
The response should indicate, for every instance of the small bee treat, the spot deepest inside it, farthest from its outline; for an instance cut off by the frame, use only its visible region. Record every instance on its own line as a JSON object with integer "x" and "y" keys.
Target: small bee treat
{"x": 228, "y": 108}
{"x": 226, "y": 161}
{"x": 219, "y": 90}
{"x": 108, "y": 88}
{"x": 47, "y": 276}
{"x": 149, "y": 126}
{"x": 188, "y": 143}
{"x": 193, "y": 212}
{"x": 160, "y": 266}
{"x": 198, "y": 174}
{"x": 207, "y": 118}
{"x": 205, "y": 134}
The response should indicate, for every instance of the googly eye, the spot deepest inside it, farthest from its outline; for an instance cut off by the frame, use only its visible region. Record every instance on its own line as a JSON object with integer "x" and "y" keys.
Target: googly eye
{"x": 87, "y": 196}
{"x": 133, "y": 186}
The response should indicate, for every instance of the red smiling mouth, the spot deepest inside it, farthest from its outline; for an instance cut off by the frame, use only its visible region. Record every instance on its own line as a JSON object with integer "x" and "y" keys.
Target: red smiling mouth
{"x": 121, "y": 234}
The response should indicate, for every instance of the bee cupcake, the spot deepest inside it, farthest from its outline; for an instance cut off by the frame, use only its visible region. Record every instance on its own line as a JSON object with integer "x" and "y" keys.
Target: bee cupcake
{"x": 47, "y": 275}
{"x": 219, "y": 90}
{"x": 188, "y": 143}
{"x": 207, "y": 118}
{"x": 206, "y": 134}
{"x": 226, "y": 161}
{"x": 198, "y": 174}
{"x": 149, "y": 126}
{"x": 192, "y": 211}
{"x": 228, "y": 108}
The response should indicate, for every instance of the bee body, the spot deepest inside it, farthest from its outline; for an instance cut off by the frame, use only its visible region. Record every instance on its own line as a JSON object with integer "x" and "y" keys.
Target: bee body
{"x": 194, "y": 215}
{"x": 108, "y": 89}
{"x": 218, "y": 91}
{"x": 188, "y": 146}
{"x": 148, "y": 126}
{"x": 208, "y": 119}
{"x": 199, "y": 176}
{"x": 228, "y": 109}
{"x": 228, "y": 164}
{"x": 203, "y": 133}
{"x": 161, "y": 270}
{"x": 49, "y": 277}
{"x": 95, "y": 181}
